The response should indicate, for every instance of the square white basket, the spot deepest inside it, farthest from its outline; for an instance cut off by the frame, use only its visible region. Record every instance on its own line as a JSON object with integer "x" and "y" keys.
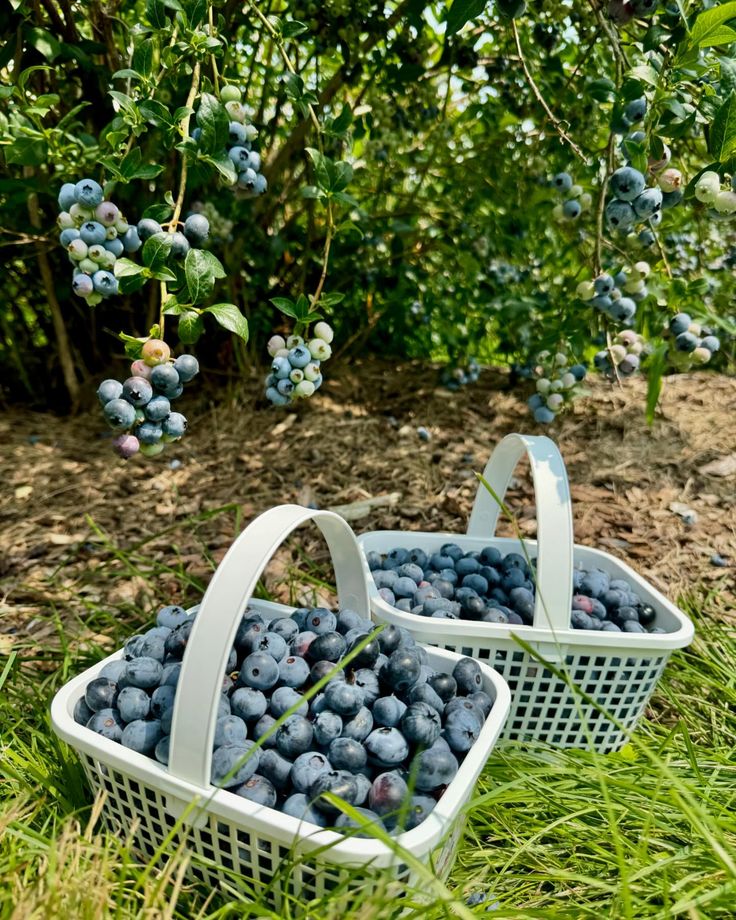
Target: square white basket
{"x": 619, "y": 671}
{"x": 228, "y": 836}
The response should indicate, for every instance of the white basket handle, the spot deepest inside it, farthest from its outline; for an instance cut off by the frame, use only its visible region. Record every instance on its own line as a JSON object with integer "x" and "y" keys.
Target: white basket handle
{"x": 213, "y": 633}
{"x": 554, "y": 519}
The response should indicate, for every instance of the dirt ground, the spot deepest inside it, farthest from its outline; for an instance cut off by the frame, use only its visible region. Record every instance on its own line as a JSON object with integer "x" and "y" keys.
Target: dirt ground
{"x": 78, "y": 527}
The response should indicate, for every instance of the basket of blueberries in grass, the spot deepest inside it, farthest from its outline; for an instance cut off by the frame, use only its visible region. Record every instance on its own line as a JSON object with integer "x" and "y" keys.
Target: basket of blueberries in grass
{"x": 520, "y": 604}
{"x": 294, "y": 749}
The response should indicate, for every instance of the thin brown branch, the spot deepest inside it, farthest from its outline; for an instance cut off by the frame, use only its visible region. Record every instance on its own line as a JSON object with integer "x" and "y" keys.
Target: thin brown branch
{"x": 556, "y": 123}
{"x": 601, "y": 208}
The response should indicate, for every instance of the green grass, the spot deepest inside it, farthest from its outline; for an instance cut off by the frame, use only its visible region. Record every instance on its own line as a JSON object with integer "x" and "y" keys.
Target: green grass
{"x": 649, "y": 832}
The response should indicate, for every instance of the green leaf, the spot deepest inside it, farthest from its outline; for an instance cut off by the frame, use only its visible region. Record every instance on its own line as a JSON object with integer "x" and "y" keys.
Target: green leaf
{"x": 285, "y": 305}
{"x": 27, "y": 151}
{"x": 196, "y": 11}
{"x": 190, "y": 327}
{"x": 230, "y": 318}
{"x": 132, "y": 283}
{"x": 463, "y": 11}
{"x": 324, "y": 169}
{"x": 127, "y": 74}
{"x": 293, "y": 28}
{"x": 708, "y": 28}
{"x": 44, "y": 42}
{"x": 294, "y": 85}
{"x": 343, "y": 176}
{"x": 164, "y": 274}
{"x": 655, "y": 372}
{"x": 156, "y": 14}
{"x": 329, "y": 300}
{"x": 158, "y": 212}
{"x": 311, "y": 191}
{"x": 722, "y": 140}
{"x": 343, "y": 121}
{"x": 155, "y": 112}
{"x": 143, "y": 56}
{"x": 214, "y": 122}
{"x": 126, "y": 268}
{"x": 156, "y": 251}
{"x": 200, "y": 269}
{"x": 224, "y": 165}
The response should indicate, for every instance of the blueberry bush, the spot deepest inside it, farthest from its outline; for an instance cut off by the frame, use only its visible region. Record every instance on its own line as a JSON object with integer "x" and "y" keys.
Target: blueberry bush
{"x": 546, "y": 186}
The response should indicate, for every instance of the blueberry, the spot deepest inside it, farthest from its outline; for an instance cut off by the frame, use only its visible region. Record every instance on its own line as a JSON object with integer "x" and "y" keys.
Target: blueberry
{"x": 562, "y": 181}
{"x": 149, "y": 432}
{"x": 347, "y": 754}
{"x": 171, "y": 616}
{"x": 82, "y": 712}
{"x": 143, "y": 672}
{"x": 685, "y": 341}
{"x": 402, "y": 670}
{"x": 633, "y": 626}
{"x": 467, "y": 676}
{"x": 196, "y": 228}
{"x": 647, "y": 614}
{"x": 258, "y": 789}
{"x": 327, "y": 727}
{"x": 174, "y": 426}
{"x": 395, "y": 558}
{"x": 133, "y": 704}
{"x": 464, "y": 704}
{"x": 187, "y": 367}
{"x": 283, "y": 698}
{"x": 329, "y": 646}
{"x": 88, "y": 193}
{"x": 343, "y": 698}
{"x": 339, "y": 783}
{"x": 153, "y": 645}
{"x": 444, "y": 685}
{"x": 349, "y": 619}
{"x": 284, "y": 627}
{"x": 233, "y": 764}
{"x": 627, "y": 184}
{"x": 301, "y": 642}
{"x": 421, "y": 724}
{"x": 294, "y": 737}
{"x": 105, "y": 283}
{"x": 359, "y": 828}
{"x": 422, "y": 692}
{"x": 259, "y": 671}
{"x": 388, "y": 793}
{"x": 271, "y": 644}
{"x": 461, "y": 730}
{"x": 119, "y": 414}
{"x": 636, "y": 109}
{"x": 367, "y": 680}
{"x": 299, "y": 806}
{"x": 412, "y": 571}
{"x": 248, "y": 704}
{"x": 229, "y": 730}
{"x": 620, "y": 214}
{"x": 293, "y": 671}
{"x": 157, "y": 409}
{"x": 165, "y": 378}
{"x": 162, "y": 699}
{"x": 142, "y": 736}
{"x": 384, "y": 578}
{"x": 386, "y": 747}
{"x": 161, "y": 751}
{"x": 108, "y": 723}
{"x": 467, "y": 566}
{"x": 320, "y": 621}
{"x": 176, "y": 642}
{"x": 275, "y": 768}
{"x": 131, "y": 240}
{"x": 101, "y": 693}
{"x": 581, "y": 620}
{"x": 419, "y": 809}
{"x": 359, "y": 726}
{"x": 648, "y": 203}
{"x": 320, "y": 670}
{"x": 388, "y": 710}
{"x": 595, "y": 583}
{"x": 434, "y": 767}
{"x": 374, "y": 560}
{"x": 67, "y": 196}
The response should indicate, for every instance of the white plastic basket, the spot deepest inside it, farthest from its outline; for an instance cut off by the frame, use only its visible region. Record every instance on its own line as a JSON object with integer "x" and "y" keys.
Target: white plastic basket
{"x": 232, "y": 836}
{"x": 617, "y": 670}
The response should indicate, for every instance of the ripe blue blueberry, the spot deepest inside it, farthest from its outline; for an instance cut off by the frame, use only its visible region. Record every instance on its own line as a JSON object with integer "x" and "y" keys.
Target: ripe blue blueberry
{"x": 339, "y": 783}
{"x": 161, "y": 751}
{"x": 108, "y": 723}
{"x": 137, "y": 390}
{"x": 258, "y": 789}
{"x": 434, "y": 767}
{"x": 421, "y": 724}
{"x": 165, "y": 378}
{"x": 133, "y": 703}
{"x": 275, "y": 768}
{"x": 347, "y": 754}
{"x": 283, "y": 698}
{"x": 648, "y": 203}
{"x": 234, "y": 764}
{"x": 327, "y": 727}
{"x": 187, "y": 367}
{"x": 174, "y": 425}
{"x": 299, "y": 356}
{"x": 157, "y": 409}
{"x": 196, "y": 229}
{"x": 131, "y": 240}
{"x": 359, "y": 726}
{"x": 92, "y": 232}
{"x": 294, "y": 737}
{"x": 162, "y": 699}
{"x": 259, "y": 671}
{"x": 620, "y": 214}
{"x": 356, "y": 827}
{"x": 293, "y": 671}
{"x": 115, "y": 247}
{"x": 143, "y": 672}
{"x": 149, "y": 432}
{"x": 627, "y": 183}
{"x": 142, "y": 736}
{"x": 82, "y": 713}
{"x": 179, "y": 245}
{"x": 386, "y": 747}
{"x": 66, "y": 236}
{"x": 88, "y": 193}
{"x": 229, "y": 730}
{"x": 67, "y": 196}
{"x": 562, "y": 181}
{"x": 101, "y": 693}
{"x": 402, "y": 670}
{"x": 147, "y": 228}
{"x": 636, "y": 109}
{"x": 300, "y": 806}
{"x": 343, "y": 698}
{"x": 109, "y": 390}
{"x": 572, "y": 209}
{"x": 105, "y": 283}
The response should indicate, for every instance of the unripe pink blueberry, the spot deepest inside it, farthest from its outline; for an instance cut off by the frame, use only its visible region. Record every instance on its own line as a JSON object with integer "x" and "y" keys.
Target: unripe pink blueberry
{"x": 670, "y": 180}
{"x": 107, "y": 213}
{"x": 125, "y": 445}
{"x": 139, "y": 368}
{"x": 155, "y": 351}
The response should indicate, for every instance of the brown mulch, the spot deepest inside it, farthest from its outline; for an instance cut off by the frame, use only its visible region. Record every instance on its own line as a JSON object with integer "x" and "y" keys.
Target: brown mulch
{"x": 73, "y": 516}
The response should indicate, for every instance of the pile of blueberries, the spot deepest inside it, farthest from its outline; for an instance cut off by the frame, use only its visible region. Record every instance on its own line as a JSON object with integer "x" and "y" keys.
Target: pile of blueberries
{"x": 694, "y": 343}
{"x": 557, "y": 381}
{"x": 576, "y": 200}
{"x": 195, "y": 233}
{"x": 385, "y": 734}
{"x": 616, "y": 295}
{"x": 296, "y": 370}
{"x": 455, "y": 377}
{"x": 623, "y": 358}
{"x": 493, "y": 588}
{"x": 95, "y": 234}
{"x": 247, "y": 162}
{"x": 140, "y": 408}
